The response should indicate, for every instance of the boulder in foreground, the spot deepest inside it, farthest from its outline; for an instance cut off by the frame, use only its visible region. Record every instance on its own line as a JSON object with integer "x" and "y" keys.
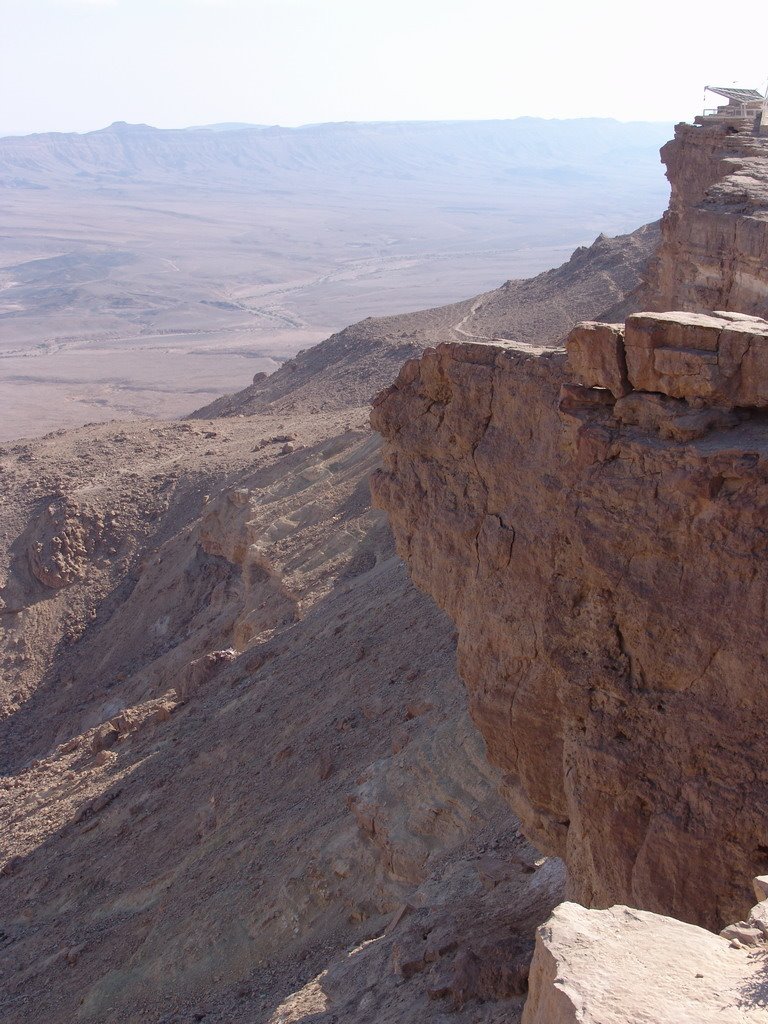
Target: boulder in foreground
{"x": 623, "y": 966}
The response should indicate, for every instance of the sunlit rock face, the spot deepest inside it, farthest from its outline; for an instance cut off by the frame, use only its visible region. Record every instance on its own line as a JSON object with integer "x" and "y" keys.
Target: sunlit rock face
{"x": 594, "y": 525}
{"x": 606, "y": 573}
{"x": 714, "y": 247}
{"x": 619, "y": 965}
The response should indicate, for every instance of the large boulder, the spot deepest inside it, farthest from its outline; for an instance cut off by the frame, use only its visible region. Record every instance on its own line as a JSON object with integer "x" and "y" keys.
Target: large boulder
{"x": 719, "y": 359}
{"x": 596, "y": 357}
{"x": 623, "y": 966}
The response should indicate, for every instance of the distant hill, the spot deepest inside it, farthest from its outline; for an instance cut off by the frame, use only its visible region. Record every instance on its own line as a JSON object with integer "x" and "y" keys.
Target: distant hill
{"x": 225, "y": 126}
{"x": 339, "y": 156}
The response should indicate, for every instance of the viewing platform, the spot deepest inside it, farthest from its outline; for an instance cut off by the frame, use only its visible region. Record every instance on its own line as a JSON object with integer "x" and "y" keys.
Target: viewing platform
{"x": 743, "y": 105}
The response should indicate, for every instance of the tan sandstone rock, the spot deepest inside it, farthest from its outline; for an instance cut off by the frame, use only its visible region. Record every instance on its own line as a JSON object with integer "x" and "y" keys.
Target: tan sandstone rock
{"x": 596, "y": 357}
{"x": 713, "y": 358}
{"x": 714, "y": 247}
{"x": 609, "y": 588}
{"x": 623, "y": 966}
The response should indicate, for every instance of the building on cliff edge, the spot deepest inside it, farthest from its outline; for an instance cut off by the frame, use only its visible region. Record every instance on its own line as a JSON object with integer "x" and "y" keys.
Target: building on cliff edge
{"x": 743, "y": 104}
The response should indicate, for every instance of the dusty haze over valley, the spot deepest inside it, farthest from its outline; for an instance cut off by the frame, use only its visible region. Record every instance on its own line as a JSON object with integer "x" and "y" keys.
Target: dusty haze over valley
{"x": 144, "y": 272}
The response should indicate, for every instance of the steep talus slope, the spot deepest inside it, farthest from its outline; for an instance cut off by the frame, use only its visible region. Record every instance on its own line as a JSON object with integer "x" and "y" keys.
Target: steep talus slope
{"x": 220, "y": 690}
{"x": 251, "y": 752}
{"x": 85, "y": 510}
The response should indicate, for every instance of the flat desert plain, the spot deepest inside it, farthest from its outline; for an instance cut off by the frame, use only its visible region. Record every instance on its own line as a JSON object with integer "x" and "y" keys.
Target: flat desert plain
{"x": 145, "y": 272}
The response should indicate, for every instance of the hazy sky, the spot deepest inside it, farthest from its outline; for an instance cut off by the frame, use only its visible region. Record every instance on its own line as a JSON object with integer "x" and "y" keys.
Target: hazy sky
{"x": 76, "y": 65}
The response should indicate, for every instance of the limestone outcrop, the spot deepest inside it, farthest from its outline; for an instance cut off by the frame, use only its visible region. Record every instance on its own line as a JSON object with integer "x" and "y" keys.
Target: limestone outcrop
{"x": 718, "y": 360}
{"x": 714, "y": 245}
{"x": 604, "y": 565}
{"x": 623, "y": 966}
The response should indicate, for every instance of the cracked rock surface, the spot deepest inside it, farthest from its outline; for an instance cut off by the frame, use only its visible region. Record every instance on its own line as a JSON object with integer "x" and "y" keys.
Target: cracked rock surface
{"x": 609, "y": 588}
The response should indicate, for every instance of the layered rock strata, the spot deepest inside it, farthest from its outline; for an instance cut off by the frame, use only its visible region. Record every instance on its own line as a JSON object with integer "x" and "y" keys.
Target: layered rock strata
{"x": 714, "y": 245}
{"x": 605, "y": 571}
{"x": 718, "y": 360}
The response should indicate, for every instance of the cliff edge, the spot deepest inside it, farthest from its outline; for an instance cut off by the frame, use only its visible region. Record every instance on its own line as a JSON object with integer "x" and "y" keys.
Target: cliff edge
{"x": 594, "y": 527}
{"x": 715, "y": 233}
{"x": 609, "y": 590}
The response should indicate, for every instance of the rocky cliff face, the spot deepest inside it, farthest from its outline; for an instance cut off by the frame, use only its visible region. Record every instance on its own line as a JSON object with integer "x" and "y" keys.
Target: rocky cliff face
{"x": 595, "y": 530}
{"x": 609, "y": 588}
{"x": 715, "y": 233}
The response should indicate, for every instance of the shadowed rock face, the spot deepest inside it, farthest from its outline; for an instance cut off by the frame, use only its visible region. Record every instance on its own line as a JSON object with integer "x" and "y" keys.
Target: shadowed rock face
{"x": 609, "y": 587}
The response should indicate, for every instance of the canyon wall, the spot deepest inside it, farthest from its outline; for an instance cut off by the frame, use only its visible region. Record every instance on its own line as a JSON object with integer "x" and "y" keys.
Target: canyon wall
{"x": 596, "y": 530}
{"x": 610, "y": 590}
{"x": 714, "y": 248}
